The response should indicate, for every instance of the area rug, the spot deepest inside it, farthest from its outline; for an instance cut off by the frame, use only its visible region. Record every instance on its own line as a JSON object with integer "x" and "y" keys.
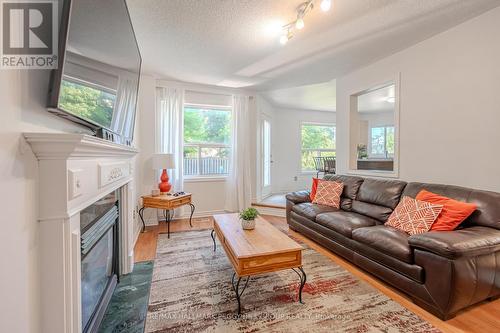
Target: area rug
{"x": 191, "y": 292}
{"x": 126, "y": 312}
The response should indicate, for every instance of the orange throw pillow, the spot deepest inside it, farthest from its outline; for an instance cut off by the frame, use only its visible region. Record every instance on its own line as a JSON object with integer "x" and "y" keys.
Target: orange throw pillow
{"x": 414, "y": 216}
{"x": 328, "y": 193}
{"x": 314, "y": 188}
{"x": 454, "y": 212}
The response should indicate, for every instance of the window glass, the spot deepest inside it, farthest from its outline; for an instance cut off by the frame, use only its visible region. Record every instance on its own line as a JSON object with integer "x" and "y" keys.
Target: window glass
{"x": 317, "y": 141}
{"x": 207, "y": 136}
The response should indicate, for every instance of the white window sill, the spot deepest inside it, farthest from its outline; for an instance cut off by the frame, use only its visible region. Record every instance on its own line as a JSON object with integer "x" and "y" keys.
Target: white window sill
{"x": 204, "y": 179}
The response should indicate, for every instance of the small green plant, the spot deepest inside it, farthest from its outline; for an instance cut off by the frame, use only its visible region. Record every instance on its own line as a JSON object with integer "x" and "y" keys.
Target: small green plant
{"x": 249, "y": 214}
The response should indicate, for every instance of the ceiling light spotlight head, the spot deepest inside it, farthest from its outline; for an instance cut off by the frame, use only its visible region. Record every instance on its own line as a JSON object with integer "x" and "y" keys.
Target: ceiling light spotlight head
{"x": 286, "y": 37}
{"x": 326, "y": 5}
{"x": 299, "y": 24}
{"x": 283, "y": 39}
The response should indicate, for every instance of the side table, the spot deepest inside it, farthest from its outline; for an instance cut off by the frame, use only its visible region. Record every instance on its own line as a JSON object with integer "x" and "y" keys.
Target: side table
{"x": 166, "y": 203}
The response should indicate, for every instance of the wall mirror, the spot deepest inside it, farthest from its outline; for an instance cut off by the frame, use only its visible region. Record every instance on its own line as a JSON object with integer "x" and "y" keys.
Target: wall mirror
{"x": 374, "y": 131}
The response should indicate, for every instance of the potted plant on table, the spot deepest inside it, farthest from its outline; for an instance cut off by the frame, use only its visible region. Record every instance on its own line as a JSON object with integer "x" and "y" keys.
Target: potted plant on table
{"x": 247, "y": 217}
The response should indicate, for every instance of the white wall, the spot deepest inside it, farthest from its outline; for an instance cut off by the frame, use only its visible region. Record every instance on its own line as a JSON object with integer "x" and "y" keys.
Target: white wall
{"x": 286, "y": 147}
{"x": 449, "y": 105}
{"x": 23, "y": 96}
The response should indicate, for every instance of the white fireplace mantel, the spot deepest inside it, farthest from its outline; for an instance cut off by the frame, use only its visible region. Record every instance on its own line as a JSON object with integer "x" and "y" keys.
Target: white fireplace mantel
{"x": 74, "y": 171}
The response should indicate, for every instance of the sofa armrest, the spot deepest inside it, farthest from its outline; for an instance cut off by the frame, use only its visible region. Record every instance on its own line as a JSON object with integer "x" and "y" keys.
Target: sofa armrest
{"x": 473, "y": 241}
{"x": 299, "y": 197}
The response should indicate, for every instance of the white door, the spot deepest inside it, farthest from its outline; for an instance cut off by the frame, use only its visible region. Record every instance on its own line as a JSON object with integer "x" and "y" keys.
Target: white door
{"x": 266, "y": 156}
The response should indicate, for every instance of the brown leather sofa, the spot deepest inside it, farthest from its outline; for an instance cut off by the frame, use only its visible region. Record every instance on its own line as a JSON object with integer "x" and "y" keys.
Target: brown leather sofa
{"x": 442, "y": 271}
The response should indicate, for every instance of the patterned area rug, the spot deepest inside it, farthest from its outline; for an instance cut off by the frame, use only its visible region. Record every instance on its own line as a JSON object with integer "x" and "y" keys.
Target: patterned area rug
{"x": 191, "y": 292}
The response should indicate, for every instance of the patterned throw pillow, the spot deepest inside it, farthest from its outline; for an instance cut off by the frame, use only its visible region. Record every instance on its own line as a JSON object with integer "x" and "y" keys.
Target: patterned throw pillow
{"x": 328, "y": 193}
{"x": 414, "y": 216}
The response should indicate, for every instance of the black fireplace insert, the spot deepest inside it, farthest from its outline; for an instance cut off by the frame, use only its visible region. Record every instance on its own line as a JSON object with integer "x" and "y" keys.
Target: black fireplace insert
{"x": 100, "y": 253}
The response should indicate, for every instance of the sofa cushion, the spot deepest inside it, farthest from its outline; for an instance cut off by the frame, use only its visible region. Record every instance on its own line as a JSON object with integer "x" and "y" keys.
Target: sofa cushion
{"x": 351, "y": 188}
{"x": 298, "y": 197}
{"x": 328, "y": 193}
{"x": 453, "y": 214}
{"x": 378, "y": 197}
{"x": 381, "y": 192}
{"x": 487, "y": 213}
{"x": 380, "y": 213}
{"x": 345, "y": 222}
{"x": 473, "y": 241}
{"x": 387, "y": 240}
{"x": 310, "y": 210}
{"x": 414, "y": 216}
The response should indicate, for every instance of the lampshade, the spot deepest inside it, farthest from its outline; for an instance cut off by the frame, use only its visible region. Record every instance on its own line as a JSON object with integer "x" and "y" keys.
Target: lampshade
{"x": 163, "y": 161}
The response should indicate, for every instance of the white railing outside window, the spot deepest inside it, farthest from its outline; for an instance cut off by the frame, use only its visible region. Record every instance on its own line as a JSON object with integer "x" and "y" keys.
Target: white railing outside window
{"x": 207, "y": 134}
{"x": 197, "y": 163}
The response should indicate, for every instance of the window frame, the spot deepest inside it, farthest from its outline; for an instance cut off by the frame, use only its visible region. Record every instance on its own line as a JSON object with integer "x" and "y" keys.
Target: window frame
{"x": 201, "y": 145}
{"x": 319, "y": 151}
{"x": 388, "y": 156}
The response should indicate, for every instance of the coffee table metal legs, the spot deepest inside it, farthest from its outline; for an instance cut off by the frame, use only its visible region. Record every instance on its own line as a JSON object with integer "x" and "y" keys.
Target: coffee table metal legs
{"x": 303, "y": 277}
{"x": 212, "y": 234}
{"x": 236, "y": 284}
{"x": 238, "y": 292}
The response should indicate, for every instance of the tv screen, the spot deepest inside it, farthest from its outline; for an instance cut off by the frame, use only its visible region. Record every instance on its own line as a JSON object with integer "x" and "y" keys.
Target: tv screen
{"x": 97, "y": 81}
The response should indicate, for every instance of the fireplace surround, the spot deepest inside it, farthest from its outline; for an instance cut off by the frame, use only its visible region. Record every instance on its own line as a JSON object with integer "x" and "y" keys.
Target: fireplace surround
{"x": 74, "y": 172}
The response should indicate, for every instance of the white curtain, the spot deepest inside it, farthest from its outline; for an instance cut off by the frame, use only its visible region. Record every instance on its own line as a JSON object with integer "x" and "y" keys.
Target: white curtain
{"x": 169, "y": 130}
{"x": 238, "y": 185}
{"x": 123, "y": 115}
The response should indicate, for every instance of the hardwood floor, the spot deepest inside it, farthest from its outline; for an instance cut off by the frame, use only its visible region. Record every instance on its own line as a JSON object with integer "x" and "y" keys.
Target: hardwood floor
{"x": 483, "y": 318}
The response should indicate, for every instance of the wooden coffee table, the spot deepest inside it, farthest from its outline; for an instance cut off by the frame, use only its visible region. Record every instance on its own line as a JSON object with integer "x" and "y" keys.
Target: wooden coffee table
{"x": 262, "y": 250}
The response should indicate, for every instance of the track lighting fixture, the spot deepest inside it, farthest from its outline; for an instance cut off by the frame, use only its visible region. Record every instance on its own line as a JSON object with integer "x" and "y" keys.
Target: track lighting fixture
{"x": 298, "y": 23}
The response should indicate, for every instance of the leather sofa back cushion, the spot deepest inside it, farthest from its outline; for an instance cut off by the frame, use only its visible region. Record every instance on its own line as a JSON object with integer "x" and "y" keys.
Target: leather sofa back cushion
{"x": 380, "y": 213}
{"x": 381, "y": 192}
{"x": 487, "y": 213}
{"x": 351, "y": 188}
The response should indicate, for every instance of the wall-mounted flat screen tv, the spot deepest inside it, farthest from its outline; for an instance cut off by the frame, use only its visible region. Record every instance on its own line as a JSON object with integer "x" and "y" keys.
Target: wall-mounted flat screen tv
{"x": 96, "y": 83}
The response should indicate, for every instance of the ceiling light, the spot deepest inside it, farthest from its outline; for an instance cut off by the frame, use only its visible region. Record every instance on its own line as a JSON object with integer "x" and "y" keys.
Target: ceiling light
{"x": 390, "y": 99}
{"x": 299, "y": 24}
{"x": 326, "y": 5}
{"x": 302, "y": 10}
{"x": 283, "y": 39}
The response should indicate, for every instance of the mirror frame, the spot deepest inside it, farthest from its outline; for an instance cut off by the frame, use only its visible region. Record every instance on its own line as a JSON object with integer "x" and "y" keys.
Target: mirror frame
{"x": 353, "y": 107}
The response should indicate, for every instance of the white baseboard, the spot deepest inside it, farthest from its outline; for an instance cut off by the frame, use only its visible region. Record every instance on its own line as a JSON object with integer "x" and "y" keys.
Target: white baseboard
{"x": 281, "y": 212}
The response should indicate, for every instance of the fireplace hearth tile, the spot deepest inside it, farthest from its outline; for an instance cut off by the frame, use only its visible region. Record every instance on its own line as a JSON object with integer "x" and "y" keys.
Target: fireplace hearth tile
{"x": 127, "y": 309}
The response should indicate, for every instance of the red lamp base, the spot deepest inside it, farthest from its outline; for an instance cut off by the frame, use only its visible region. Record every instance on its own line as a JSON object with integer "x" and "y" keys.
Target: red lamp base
{"x": 164, "y": 186}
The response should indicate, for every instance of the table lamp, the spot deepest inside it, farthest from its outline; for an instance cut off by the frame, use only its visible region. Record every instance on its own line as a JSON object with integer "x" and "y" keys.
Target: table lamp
{"x": 164, "y": 161}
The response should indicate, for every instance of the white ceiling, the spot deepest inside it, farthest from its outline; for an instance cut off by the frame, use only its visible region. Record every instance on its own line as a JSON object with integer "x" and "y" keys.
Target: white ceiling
{"x": 228, "y": 43}
{"x": 320, "y": 97}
